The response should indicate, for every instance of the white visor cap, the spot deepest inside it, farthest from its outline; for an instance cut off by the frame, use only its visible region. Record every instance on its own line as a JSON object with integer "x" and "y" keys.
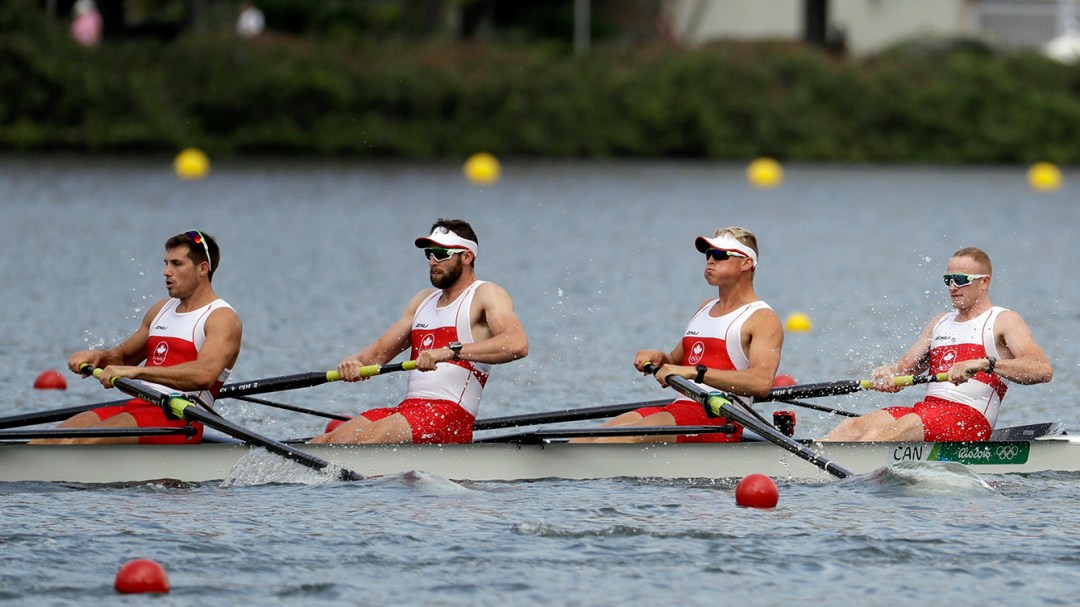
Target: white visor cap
{"x": 445, "y": 238}
{"x": 725, "y": 243}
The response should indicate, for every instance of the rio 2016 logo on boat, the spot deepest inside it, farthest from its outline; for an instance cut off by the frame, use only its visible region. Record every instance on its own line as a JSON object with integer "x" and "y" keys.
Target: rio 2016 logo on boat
{"x": 696, "y": 352}
{"x": 161, "y": 352}
{"x": 966, "y": 453}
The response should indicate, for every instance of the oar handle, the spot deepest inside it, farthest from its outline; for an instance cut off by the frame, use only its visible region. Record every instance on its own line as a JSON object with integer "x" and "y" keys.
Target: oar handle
{"x": 373, "y": 370}
{"x": 907, "y": 380}
{"x": 713, "y": 406}
{"x": 847, "y": 386}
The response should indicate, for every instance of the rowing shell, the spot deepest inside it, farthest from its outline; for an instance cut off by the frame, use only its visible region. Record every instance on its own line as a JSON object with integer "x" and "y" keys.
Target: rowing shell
{"x": 502, "y": 461}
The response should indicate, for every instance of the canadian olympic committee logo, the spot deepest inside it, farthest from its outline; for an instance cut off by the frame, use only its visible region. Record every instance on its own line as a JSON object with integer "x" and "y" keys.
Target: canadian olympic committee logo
{"x": 697, "y": 351}
{"x": 161, "y": 352}
{"x": 427, "y": 341}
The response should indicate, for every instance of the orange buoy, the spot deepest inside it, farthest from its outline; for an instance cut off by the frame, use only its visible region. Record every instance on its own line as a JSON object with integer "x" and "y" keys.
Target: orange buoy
{"x": 783, "y": 379}
{"x": 141, "y": 575}
{"x": 757, "y": 491}
{"x": 50, "y": 380}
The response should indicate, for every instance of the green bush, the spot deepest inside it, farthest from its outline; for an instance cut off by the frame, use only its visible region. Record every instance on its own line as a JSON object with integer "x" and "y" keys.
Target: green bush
{"x": 282, "y": 94}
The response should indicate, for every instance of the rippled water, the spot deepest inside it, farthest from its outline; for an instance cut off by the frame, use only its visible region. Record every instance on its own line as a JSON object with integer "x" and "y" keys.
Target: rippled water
{"x": 599, "y": 257}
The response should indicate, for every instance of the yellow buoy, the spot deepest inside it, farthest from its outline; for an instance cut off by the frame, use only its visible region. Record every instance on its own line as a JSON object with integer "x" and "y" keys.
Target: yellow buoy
{"x": 191, "y": 163}
{"x": 1044, "y": 177}
{"x": 798, "y": 323}
{"x": 482, "y": 169}
{"x": 765, "y": 173}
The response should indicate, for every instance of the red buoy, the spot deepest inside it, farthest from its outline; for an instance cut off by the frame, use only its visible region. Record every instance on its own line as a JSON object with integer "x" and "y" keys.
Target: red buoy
{"x": 334, "y": 423}
{"x": 141, "y": 575}
{"x": 757, "y": 491}
{"x": 50, "y": 380}
{"x": 783, "y": 379}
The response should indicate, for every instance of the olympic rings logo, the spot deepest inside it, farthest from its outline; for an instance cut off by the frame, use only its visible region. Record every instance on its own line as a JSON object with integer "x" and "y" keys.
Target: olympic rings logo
{"x": 1007, "y": 452}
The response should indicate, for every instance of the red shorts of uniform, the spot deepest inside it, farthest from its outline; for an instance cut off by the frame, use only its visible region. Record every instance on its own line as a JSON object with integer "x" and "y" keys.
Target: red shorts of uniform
{"x": 432, "y": 421}
{"x": 148, "y": 415}
{"x": 945, "y": 420}
{"x": 691, "y": 413}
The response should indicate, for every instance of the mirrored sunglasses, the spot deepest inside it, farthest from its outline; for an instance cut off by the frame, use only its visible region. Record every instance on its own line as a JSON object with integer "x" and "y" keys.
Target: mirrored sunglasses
{"x": 198, "y": 238}
{"x": 718, "y": 255}
{"x": 961, "y": 280}
{"x": 441, "y": 253}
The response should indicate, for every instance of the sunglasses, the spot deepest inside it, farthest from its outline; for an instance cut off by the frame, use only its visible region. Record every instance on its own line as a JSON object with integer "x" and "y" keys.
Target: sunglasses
{"x": 961, "y": 280}
{"x": 718, "y": 255}
{"x": 198, "y": 238}
{"x": 441, "y": 253}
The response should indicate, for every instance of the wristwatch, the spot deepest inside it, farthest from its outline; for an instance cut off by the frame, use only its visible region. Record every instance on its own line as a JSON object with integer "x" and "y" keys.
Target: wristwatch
{"x": 990, "y": 366}
{"x": 455, "y": 347}
{"x": 701, "y": 369}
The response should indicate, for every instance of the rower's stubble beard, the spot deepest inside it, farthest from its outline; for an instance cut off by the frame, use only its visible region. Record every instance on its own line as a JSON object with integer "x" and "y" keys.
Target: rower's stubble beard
{"x": 448, "y": 276}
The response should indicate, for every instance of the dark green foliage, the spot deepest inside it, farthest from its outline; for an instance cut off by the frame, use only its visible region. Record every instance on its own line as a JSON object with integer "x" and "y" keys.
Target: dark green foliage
{"x": 334, "y": 97}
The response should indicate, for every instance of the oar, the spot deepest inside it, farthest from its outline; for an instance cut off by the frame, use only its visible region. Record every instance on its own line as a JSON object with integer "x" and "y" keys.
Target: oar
{"x": 719, "y": 404}
{"x": 185, "y": 409}
{"x": 52, "y": 415}
{"x": 535, "y": 437}
{"x": 847, "y": 386}
{"x": 276, "y": 405}
{"x": 305, "y": 380}
{"x": 237, "y": 390}
{"x": 562, "y": 415}
{"x": 800, "y": 403}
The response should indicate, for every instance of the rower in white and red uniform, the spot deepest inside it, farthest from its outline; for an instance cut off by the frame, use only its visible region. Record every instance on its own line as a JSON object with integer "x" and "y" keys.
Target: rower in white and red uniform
{"x": 189, "y": 341}
{"x": 457, "y": 332}
{"x": 731, "y": 344}
{"x": 983, "y": 348}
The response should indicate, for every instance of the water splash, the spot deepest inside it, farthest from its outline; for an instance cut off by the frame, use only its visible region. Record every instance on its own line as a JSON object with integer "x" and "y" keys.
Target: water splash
{"x": 260, "y": 467}
{"x": 424, "y": 482}
{"x": 927, "y": 479}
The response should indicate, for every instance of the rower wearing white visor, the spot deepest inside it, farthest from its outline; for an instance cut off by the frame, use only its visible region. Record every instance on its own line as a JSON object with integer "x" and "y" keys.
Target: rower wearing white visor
{"x": 456, "y": 332}
{"x": 732, "y": 344}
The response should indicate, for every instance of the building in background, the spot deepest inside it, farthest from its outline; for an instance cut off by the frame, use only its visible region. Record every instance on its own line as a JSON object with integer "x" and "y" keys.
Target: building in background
{"x": 864, "y": 27}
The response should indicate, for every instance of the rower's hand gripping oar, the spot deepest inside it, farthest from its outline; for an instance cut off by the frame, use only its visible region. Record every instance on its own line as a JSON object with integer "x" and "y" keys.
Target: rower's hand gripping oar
{"x": 847, "y": 386}
{"x": 719, "y": 404}
{"x": 305, "y": 380}
{"x": 185, "y": 409}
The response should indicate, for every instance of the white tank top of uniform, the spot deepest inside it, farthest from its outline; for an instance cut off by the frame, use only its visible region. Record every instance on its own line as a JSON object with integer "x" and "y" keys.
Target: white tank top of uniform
{"x": 176, "y": 337}
{"x": 717, "y": 342}
{"x": 433, "y": 327}
{"x": 952, "y": 342}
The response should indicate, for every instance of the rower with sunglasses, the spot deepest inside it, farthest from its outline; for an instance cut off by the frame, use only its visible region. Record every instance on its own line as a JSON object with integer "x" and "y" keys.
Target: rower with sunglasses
{"x": 456, "y": 331}
{"x": 189, "y": 341}
{"x": 982, "y": 347}
{"x": 732, "y": 344}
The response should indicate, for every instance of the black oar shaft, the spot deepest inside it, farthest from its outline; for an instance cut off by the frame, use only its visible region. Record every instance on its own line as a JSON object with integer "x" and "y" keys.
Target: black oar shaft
{"x": 847, "y": 386}
{"x": 54, "y": 415}
{"x": 186, "y": 409}
{"x": 275, "y": 384}
{"x": 724, "y": 405}
{"x": 298, "y": 409}
{"x": 562, "y": 415}
{"x": 806, "y": 405}
{"x": 94, "y": 433}
{"x": 730, "y": 411}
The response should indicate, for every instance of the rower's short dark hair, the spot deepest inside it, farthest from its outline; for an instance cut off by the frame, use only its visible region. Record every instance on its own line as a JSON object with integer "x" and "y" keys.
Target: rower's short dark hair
{"x": 457, "y": 226}
{"x": 196, "y": 253}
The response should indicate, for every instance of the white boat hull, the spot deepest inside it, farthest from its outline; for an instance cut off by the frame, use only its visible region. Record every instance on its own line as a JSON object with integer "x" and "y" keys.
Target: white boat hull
{"x": 494, "y": 461}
